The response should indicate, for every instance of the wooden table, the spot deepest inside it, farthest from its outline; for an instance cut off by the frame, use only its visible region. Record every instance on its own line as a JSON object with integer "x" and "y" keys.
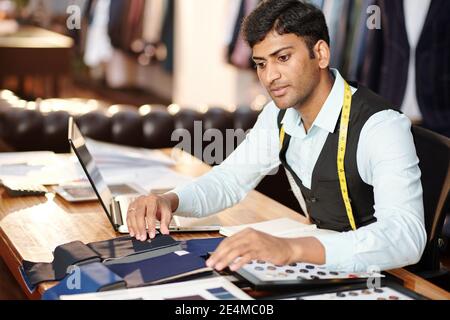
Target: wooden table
{"x": 33, "y": 51}
{"x": 31, "y": 228}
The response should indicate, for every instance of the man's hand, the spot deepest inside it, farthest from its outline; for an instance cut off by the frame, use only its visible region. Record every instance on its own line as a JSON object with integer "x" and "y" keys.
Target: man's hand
{"x": 251, "y": 245}
{"x": 146, "y": 210}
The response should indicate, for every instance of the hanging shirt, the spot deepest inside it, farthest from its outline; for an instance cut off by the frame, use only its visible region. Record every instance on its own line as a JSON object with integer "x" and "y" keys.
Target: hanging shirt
{"x": 154, "y": 13}
{"x": 98, "y": 43}
{"x": 416, "y": 12}
{"x": 386, "y": 159}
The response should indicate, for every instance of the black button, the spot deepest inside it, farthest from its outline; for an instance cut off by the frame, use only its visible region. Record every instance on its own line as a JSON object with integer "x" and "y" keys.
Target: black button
{"x": 289, "y": 271}
{"x": 303, "y": 271}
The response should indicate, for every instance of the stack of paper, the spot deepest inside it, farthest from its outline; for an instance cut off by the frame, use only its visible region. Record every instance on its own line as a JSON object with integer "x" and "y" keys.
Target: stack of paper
{"x": 149, "y": 169}
{"x": 113, "y": 155}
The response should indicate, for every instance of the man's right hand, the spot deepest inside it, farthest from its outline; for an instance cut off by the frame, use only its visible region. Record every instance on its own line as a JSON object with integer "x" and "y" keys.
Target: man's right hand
{"x": 146, "y": 210}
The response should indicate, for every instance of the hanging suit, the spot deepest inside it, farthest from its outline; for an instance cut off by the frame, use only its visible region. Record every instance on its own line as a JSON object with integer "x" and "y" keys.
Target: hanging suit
{"x": 386, "y": 63}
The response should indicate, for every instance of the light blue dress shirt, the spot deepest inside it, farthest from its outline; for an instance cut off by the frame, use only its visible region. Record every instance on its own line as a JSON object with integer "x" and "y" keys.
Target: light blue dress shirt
{"x": 386, "y": 160}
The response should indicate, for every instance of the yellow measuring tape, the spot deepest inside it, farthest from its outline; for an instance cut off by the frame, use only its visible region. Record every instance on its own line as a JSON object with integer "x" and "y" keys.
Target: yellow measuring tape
{"x": 342, "y": 146}
{"x": 282, "y": 135}
{"x": 343, "y": 132}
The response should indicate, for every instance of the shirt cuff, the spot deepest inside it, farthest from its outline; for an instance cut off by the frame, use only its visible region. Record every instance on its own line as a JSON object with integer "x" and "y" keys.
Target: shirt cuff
{"x": 186, "y": 202}
{"x": 338, "y": 251}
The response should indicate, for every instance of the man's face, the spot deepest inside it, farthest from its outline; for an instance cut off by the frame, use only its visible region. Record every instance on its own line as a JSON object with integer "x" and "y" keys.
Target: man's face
{"x": 285, "y": 68}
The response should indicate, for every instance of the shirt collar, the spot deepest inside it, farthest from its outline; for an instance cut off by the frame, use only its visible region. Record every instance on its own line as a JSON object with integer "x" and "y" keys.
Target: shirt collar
{"x": 328, "y": 115}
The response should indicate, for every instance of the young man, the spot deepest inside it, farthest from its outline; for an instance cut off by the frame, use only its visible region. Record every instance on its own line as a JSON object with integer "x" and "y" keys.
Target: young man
{"x": 380, "y": 219}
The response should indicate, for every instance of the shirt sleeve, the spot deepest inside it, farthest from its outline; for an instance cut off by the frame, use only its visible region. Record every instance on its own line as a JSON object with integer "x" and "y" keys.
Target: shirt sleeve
{"x": 387, "y": 160}
{"x": 227, "y": 184}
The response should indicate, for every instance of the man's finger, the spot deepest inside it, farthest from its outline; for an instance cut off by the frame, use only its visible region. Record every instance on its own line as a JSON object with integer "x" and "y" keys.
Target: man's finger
{"x": 131, "y": 222}
{"x": 151, "y": 209}
{"x": 229, "y": 258}
{"x": 140, "y": 222}
{"x": 237, "y": 264}
{"x": 223, "y": 250}
{"x": 166, "y": 217}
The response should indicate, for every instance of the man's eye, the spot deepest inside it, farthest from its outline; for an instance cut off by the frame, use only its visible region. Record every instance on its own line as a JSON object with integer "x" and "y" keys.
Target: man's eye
{"x": 284, "y": 58}
{"x": 260, "y": 65}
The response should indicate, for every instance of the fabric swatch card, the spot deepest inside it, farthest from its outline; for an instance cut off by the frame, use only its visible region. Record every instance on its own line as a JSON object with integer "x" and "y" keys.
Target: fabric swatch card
{"x": 126, "y": 246}
{"x": 201, "y": 247}
{"x": 172, "y": 266}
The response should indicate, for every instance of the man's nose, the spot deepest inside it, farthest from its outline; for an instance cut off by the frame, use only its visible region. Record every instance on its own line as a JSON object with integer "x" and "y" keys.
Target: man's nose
{"x": 272, "y": 74}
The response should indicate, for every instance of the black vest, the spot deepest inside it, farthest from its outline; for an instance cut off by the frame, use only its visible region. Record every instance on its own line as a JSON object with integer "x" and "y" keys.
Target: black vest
{"x": 324, "y": 201}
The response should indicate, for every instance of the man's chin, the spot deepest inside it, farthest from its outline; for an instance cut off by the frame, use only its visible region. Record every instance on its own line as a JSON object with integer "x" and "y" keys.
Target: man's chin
{"x": 282, "y": 104}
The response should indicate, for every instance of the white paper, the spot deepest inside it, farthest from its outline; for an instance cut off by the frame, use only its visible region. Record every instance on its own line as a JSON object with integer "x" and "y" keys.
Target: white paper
{"x": 46, "y": 168}
{"x": 180, "y": 290}
{"x": 284, "y": 227}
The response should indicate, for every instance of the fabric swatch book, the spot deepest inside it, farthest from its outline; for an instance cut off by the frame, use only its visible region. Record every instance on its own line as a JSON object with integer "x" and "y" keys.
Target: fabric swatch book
{"x": 284, "y": 228}
{"x": 173, "y": 266}
{"x": 113, "y": 251}
{"x": 93, "y": 277}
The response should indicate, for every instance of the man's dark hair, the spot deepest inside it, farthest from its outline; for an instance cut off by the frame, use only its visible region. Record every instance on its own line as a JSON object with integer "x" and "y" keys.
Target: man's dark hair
{"x": 286, "y": 16}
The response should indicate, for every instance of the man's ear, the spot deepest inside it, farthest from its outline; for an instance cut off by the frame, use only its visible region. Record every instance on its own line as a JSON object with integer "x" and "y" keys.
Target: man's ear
{"x": 322, "y": 53}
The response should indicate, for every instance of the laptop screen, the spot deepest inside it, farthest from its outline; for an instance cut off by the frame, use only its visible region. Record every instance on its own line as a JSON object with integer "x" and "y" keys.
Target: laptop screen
{"x": 78, "y": 145}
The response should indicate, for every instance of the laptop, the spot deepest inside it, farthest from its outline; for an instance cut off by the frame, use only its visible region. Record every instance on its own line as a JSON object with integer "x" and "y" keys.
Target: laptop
{"x": 116, "y": 207}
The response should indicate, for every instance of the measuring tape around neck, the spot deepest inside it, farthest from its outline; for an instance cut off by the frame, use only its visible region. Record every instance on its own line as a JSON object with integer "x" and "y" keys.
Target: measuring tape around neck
{"x": 342, "y": 146}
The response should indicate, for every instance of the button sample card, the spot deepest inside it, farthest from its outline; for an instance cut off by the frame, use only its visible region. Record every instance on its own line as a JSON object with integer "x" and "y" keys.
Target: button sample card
{"x": 299, "y": 271}
{"x": 383, "y": 293}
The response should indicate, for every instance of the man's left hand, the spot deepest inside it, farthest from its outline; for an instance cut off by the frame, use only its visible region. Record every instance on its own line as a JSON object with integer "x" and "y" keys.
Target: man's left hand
{"x": 251, "y": 245}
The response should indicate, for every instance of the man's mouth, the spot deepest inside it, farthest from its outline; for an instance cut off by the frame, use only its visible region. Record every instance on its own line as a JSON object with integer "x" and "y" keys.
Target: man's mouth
{"x": 279, "y": 91}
